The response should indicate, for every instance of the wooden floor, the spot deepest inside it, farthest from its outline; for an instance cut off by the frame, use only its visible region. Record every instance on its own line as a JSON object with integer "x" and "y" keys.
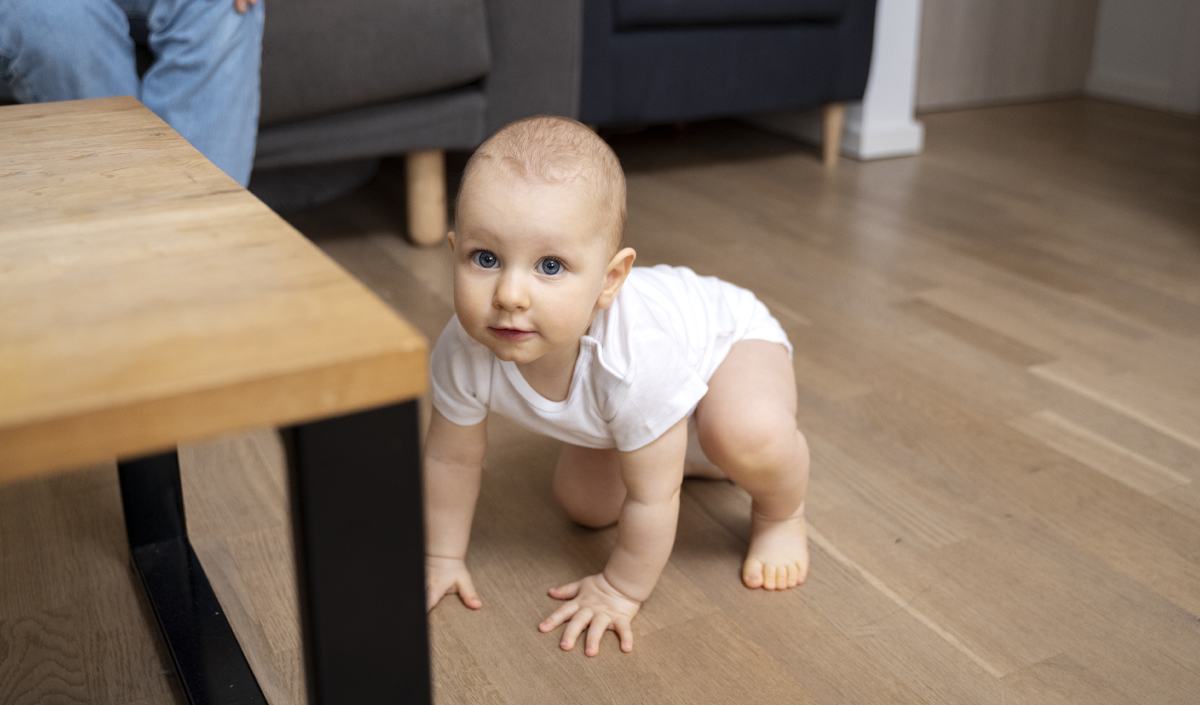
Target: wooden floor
{"x": 998, "y": 363}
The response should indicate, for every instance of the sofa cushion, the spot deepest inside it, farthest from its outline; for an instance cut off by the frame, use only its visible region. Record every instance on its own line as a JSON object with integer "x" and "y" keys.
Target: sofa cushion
{"x": 445, "y": 120}
{"x": 635, "y": 14}
{"x": 321, "y": 57}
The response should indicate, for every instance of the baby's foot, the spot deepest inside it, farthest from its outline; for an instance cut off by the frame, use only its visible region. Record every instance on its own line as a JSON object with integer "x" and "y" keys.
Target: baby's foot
{"x": 778, "y": 555}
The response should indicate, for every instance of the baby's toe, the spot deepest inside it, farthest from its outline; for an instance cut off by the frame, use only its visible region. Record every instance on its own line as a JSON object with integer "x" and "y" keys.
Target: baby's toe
{"x": 781, "y": 577}
{"x": 793, "y": 575}
{"x": 752, "y": 573}
{"x": 772, "y": 578}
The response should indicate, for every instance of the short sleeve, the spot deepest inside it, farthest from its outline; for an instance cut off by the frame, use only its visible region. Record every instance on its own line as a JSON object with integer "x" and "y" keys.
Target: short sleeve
{"x": 460, "y": 372}
{"x": 662, "y": 388}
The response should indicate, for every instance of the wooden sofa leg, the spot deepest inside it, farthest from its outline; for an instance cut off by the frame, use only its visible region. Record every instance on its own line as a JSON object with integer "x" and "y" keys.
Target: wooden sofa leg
{"x": 835, "y": 117}
{"x": 426, "y": 186}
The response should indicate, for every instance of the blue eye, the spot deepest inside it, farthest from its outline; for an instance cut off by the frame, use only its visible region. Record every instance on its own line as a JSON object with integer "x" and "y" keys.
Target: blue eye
{"x": 549, "y": 266}
{"x": 485, "y": 259}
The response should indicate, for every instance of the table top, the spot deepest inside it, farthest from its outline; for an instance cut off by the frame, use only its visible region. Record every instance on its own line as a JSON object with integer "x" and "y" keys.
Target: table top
{"x": 147, "y": 299}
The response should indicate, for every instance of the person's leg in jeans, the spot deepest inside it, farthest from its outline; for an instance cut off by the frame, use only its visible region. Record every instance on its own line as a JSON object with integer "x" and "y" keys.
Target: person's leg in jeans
{"x": 66, "y": 50}
{"x": 204, "y": 81}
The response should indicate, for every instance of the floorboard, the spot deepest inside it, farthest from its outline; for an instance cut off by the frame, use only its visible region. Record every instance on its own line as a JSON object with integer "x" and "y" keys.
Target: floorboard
{"x": 998, "y": 366}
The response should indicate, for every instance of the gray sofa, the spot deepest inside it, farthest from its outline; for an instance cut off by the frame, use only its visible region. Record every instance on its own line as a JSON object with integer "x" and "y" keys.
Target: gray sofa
{"x": 371, "y": 77}
{"x": 344, "y": 83}
{"x": 353, "y": 81}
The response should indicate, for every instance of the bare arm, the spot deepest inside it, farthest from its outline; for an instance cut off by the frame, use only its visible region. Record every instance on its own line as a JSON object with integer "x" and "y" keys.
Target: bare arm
{"x": 453, "y": 465}
{"x": 652, "y": 476}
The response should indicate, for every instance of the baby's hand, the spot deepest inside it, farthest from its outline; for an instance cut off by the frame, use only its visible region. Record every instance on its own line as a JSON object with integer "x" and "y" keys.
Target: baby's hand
{"x": 446, "y": 575}
{"x": 592, "y": 601}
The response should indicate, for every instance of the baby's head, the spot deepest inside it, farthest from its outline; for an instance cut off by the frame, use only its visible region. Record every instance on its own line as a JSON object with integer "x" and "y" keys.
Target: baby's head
{"x": 539, "y": 219}
{"x": 553, "y": 151}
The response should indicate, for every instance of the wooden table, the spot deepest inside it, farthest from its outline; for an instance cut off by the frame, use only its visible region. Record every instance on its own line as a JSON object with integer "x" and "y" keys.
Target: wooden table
{"x": 146, "y": 300}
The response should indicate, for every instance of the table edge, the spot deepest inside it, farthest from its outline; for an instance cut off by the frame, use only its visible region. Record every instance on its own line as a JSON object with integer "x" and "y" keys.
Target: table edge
{"x": 155, "y": 425}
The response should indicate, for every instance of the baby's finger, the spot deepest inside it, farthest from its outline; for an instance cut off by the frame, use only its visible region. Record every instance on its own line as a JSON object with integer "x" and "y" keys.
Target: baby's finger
{"x": 566, "y": 592}
{"x": 466, "y": 591}
{"x": 560, "y": 615}
{"x": 575, "y": 628}
{"x": 599, "y": 625}
{"x": 434, "y": 590}
{"x": 625, "y": 632}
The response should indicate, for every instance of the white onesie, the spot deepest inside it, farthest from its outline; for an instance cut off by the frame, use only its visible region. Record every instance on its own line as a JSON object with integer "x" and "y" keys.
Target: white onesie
{"x": 643, "y": 365}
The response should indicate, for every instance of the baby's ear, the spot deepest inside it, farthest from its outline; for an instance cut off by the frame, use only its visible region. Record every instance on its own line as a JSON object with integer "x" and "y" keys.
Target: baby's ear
{"x": 615, "y": 275}
{"x": 450, "y": 239}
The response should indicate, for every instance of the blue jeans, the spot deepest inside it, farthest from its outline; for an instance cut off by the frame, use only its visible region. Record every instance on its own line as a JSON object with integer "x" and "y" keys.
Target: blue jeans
{"x": 204, "y": 81}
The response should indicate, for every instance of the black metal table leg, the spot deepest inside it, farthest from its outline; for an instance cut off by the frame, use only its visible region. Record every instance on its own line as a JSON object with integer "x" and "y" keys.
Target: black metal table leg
{"x": 360, "y": 555}
{"x": 208, "y": 659}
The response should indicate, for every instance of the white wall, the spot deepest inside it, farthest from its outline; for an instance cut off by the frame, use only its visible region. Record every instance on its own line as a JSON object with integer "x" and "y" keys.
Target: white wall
{"x": 981, "y": 52}
{"x": 1147, "y": 52}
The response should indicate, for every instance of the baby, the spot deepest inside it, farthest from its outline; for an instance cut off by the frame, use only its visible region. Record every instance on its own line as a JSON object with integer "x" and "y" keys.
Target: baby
{"x": 645, "y": 374}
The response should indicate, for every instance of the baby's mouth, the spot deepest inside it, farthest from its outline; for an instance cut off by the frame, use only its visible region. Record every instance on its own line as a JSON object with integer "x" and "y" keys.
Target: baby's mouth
{"x": 511, "y": 333}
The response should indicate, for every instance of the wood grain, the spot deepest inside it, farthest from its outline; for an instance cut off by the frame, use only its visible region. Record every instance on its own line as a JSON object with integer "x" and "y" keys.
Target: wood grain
{"x": 147, "y": 299}
{"x": 40, "y": 660}
{"x": 1096, "y": 451}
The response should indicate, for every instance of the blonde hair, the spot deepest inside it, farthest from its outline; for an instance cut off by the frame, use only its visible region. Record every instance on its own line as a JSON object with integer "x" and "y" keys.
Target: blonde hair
{"x": 557, "y": 150}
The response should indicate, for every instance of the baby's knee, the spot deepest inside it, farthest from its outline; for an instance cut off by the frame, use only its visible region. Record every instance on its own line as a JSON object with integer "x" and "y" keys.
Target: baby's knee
{"x": 583, "y": 510}
{"x": 584, "y": 506}
{"x": 593, "y": 519}
{"x": 802, "y": 449}
{"x": 759, "y": 444}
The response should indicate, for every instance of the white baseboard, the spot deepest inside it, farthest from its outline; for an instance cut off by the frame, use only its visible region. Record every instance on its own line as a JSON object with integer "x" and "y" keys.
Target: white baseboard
{"x": 883, "y": 141}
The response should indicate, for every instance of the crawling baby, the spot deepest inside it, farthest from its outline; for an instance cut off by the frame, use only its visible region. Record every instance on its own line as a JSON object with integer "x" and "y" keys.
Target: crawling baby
{"x": 645, "y": 375}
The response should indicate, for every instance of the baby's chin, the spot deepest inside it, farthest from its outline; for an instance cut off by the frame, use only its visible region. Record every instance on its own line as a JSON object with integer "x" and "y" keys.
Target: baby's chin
{"x": 519, "y": 353}
{"x": 513, "y": 356}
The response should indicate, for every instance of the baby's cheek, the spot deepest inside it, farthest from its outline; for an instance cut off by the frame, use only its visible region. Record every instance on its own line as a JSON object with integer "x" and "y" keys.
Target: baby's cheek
{"x": 579, "y": 313}
{"x": 563, "y": 313}
{"x": 471, "y": 303}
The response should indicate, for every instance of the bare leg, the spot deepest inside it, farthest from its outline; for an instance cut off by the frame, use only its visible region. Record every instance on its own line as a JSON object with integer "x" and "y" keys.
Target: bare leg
{"x": 747, "y": 426}
{"x": 587, "y": 483}
{"x": 696, "y": 464}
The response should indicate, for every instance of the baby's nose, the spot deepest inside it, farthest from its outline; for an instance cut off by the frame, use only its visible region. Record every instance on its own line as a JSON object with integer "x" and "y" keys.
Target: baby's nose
{"x": 511, "y": 293}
